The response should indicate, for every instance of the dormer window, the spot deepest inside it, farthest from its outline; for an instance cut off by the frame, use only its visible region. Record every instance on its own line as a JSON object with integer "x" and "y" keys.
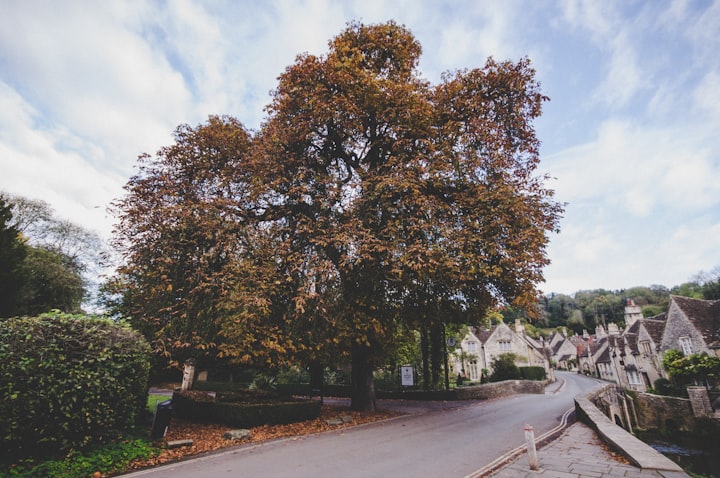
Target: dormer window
{"x": 505, "y": 346}
{"x": 686, "y": 345}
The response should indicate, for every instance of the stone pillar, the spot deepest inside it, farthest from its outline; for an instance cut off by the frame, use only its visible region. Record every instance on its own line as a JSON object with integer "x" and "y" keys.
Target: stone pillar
{"x": 188, "y": 375}
{"x": 700, "y": 401}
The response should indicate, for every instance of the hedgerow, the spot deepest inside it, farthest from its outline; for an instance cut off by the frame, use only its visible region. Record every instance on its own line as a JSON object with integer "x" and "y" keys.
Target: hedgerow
{"x": 68, "y": 381}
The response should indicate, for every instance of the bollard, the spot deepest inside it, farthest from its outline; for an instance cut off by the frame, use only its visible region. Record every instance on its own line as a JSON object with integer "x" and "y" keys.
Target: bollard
{"x": 532, "y": 452}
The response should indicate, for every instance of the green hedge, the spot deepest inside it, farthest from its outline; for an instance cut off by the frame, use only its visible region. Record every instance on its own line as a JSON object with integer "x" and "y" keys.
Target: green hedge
{"x": 68, "y": 381}
{"x": 282, "y": 389}
{"x": 532, "y": 373}
{"x": 238, "y": 413}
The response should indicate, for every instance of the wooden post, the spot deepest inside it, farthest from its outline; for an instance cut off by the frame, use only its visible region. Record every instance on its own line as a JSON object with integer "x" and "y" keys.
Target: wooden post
{"x": 532, "y": 452}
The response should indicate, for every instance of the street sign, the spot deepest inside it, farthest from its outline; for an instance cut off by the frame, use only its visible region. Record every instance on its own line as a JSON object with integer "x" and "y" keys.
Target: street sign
{"x": 406, "y": 376}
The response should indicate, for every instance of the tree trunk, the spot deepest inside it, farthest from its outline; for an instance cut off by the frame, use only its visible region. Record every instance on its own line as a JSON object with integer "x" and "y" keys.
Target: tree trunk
{"x": 425, "y": 347}
{"x": 363, "y": 385}
{"x": 436, "y": 351}
{"x": 317, "y": 379}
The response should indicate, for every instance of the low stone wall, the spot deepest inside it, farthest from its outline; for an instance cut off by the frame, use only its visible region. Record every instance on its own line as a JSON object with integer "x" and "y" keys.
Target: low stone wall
{"x": 655, "y": 412}
{"x": 639, "y": 453}
{"x": 474, "y": 392}
{"x": 500, "y": 389}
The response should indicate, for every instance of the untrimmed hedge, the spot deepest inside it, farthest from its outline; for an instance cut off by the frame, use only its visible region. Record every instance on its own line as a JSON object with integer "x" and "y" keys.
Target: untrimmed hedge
{"x": 236, "y": 412}
{"x": 68, "y": 381}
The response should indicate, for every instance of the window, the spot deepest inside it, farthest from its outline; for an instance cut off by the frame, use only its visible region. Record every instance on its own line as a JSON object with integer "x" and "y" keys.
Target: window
{"x": 472, "y": 346}
{"x": 633, "y": 378}
{"x": 645, "y": 347}
{"x": 686, "y": 345}
{"x": 505, "y": 346}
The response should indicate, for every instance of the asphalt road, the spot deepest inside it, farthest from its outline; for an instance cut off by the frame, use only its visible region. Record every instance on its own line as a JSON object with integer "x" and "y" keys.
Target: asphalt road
{"x": 433, "y": 442}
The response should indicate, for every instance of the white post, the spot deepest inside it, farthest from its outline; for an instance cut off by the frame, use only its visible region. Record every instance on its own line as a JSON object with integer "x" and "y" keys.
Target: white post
{"x": 532, "y": 452}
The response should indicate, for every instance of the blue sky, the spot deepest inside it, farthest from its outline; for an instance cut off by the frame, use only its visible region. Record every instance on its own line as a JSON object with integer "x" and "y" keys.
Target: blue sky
{"x": 631, "y": 135}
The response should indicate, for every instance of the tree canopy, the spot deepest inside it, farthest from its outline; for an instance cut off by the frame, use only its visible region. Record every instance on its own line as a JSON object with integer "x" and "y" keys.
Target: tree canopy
{"x": 43, "y": 259}
{"x": 369, "y": 200}
{"x": 12, "y": 255}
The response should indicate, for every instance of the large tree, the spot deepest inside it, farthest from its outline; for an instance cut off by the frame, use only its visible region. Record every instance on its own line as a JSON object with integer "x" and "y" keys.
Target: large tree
{"x": 49, "y": 280}
{"x": 53, "y": 256}
{"x": 369, "y": 201}
{"x": 418, "y": 198}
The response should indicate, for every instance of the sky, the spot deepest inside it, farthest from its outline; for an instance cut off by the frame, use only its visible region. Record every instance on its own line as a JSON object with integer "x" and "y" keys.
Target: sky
{"x": 630, "y": 136}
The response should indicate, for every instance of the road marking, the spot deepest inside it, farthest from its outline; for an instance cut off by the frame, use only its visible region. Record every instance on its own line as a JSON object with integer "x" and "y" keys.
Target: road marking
{"x": 514, "y": 453}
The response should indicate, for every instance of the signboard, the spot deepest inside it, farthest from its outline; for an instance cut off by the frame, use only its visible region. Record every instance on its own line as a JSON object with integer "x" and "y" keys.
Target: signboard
{"x": 407, "y": 376}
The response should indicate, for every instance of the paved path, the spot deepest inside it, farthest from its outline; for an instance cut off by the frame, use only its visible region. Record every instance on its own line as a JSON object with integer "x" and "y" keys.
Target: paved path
{"x": 578, "y": 453}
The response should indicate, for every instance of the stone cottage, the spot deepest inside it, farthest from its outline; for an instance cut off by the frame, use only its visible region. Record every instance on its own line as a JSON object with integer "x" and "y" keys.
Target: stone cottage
{"x": 480, "y": 346}
{"x": 633, "y": 357}
{"x": 692, "y": 326}
{"x": 561, "y": 351}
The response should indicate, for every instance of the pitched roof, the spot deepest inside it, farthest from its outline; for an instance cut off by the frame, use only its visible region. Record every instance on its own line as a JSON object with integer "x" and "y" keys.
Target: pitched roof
{"x": 604, "y": 356}
{"x": 482, "y": 334}
{"x": 655, "y": 328}
{"x": 704, "y": 315}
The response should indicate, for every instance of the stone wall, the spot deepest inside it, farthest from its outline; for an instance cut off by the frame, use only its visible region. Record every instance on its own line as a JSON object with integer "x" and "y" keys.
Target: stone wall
{"x": 500, "y": 389}
{"x": 639, "y": 453}
{"x": 644, "y": 410}
{"x": 656, "y": 412}
{"x": 474, "y": 392}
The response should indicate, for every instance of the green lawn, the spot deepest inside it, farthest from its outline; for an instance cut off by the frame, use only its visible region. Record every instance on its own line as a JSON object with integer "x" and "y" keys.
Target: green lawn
{"x": 154, "y": 400}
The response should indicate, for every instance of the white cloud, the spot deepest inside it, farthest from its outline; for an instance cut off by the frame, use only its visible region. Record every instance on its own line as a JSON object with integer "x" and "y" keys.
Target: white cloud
{"x": 706, "y": 96}
{"x": 637, "y": 169}
{"x": 86, "y": 87}
{"x": 34, "y": 167}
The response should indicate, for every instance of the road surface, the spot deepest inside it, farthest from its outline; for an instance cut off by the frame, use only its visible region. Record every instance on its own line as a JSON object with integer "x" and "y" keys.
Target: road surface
{"x": 454, "y": 442}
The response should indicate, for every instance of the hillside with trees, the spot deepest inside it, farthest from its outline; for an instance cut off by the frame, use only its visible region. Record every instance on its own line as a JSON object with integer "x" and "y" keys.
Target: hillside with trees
{"x": 586, "y": 309}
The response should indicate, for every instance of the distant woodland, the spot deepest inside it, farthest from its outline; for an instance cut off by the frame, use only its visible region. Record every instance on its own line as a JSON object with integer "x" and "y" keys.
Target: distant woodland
{"x": 586, "y": 309}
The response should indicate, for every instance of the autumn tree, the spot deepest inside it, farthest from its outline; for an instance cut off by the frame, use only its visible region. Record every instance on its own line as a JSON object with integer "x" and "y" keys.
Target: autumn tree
{"x": 369, "y": 203}
{"x": 413, "y": 198}
{"x": 177, "y": 234}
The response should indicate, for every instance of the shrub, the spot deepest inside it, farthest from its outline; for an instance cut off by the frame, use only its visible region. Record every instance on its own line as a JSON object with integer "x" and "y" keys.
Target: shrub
{"x": 663, "y": 386}
{"x": 106, "y": 459}
{"x": 532, "y": 373}
{"x": 504, "y": 368}
{"x": 68, "y": 381}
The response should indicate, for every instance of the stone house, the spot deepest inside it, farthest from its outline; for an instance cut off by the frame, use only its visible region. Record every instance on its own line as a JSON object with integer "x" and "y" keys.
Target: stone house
{"x": 627, "y": 357}
{"x": 692, "y": 326}
{"x": 632, "y": 357}
{"x": 480, "y": 346}
{"x": 561, "y": 351}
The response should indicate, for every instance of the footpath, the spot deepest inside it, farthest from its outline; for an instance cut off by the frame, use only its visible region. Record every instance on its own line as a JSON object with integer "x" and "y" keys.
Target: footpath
{"x": 579, "y": 453}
